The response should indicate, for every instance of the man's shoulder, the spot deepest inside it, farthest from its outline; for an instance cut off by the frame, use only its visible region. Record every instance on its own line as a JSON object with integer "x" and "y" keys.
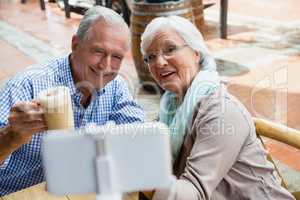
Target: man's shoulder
{"x": 37, "y": 72}
{"x": 118, "y": 84}
{"x": 120, "y": 80}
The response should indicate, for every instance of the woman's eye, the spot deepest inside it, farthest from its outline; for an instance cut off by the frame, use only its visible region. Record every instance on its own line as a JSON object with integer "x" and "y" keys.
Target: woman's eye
{"x": 170, "y": 49}
{"x": 151, "y": 57}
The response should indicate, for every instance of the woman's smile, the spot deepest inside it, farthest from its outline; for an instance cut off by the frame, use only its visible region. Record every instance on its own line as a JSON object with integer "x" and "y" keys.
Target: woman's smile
{"x": 167, "y": 74}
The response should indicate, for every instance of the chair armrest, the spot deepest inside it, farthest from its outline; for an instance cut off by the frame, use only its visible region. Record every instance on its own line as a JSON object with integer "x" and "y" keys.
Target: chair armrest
{"x": 277, "y": 132}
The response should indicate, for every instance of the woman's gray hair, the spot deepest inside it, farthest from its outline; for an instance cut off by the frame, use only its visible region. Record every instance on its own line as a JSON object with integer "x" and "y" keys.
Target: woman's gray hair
{"x": 185, "y": 29}
{"x": 100, "y": 13}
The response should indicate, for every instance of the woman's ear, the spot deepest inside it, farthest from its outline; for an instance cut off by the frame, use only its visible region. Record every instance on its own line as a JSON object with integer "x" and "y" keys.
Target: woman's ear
{"x": 197, "y": 56}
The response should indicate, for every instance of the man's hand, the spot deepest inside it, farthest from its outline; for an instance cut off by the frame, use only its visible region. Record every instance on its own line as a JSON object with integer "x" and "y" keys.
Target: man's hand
{"x": 26, "y": 119}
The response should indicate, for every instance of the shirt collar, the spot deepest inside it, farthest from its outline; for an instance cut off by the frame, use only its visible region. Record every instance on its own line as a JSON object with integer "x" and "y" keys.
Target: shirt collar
{"x": 65, "y": 74}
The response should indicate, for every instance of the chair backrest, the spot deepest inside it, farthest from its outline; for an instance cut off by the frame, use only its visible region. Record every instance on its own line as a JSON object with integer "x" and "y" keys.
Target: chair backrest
{"x": 279, "y": 133}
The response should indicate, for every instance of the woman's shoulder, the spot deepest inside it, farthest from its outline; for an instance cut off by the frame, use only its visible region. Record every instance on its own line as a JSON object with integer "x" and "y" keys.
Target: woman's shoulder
{"x": 219, "y": 100}
{"x": 221, "y": 106}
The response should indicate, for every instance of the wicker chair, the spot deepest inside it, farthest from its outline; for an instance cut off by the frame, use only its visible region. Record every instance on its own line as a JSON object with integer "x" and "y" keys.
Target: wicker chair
{"x": 279, "y": 133}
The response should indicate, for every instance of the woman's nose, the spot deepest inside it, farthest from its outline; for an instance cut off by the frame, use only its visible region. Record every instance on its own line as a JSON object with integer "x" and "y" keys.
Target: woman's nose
{"x": 161, "y": 61}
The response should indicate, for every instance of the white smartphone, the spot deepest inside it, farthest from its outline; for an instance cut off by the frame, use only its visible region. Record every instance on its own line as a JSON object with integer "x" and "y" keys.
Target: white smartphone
{"x": 140, "y": 155}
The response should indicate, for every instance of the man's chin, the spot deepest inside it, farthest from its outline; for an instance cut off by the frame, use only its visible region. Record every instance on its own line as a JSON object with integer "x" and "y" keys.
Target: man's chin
{"x": 99, "y": 86}
{"x": 100, "y": 82}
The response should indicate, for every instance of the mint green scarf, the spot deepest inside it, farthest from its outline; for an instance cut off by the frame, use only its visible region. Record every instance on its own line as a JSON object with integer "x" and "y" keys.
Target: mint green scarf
{"x": 178, "y": 115}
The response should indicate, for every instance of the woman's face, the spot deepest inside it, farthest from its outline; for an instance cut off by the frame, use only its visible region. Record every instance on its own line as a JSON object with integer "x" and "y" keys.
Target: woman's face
{"x": 171, "y": 62}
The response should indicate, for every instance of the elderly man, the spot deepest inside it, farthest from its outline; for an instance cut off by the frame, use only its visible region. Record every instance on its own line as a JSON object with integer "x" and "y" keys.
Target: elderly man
{"x": 98, "y": 95}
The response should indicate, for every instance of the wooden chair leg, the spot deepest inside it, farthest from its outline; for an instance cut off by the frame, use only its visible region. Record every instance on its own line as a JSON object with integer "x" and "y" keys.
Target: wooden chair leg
{"x": 207, "y": 5}
{"x": 223, "y": 18}
{"x": 108, "y": 3}
{"x": 67, "y": 8}
{"x": 99, "y": 2}
{"x": 42, "y": 4}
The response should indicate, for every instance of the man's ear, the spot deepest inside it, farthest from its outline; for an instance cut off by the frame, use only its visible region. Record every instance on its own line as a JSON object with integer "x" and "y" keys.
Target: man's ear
{"x": 75, "y": 42}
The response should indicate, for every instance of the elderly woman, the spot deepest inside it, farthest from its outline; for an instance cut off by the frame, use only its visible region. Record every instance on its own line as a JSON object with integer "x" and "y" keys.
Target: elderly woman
{"x": 216, "y": 154}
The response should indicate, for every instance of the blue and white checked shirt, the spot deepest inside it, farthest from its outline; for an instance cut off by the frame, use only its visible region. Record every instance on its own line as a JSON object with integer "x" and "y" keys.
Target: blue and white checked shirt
{"x": 23, "y": 168}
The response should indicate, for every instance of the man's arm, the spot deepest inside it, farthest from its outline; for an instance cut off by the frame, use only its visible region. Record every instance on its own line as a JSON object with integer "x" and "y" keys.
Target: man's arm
{"x": 19, "y": 117}
{"x": 8, "y": 143}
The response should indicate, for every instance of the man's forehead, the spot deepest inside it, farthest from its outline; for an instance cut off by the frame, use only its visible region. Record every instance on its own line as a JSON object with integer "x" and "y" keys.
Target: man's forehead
{"x": 106, "y": 31}
{"x": 110, "y": 27}
{"x": 107, "y": 36}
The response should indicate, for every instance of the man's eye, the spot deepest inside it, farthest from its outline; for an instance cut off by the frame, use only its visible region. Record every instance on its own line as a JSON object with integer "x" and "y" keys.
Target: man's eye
{"x": 117, "y": 58}
{"x": 99, "y": 51}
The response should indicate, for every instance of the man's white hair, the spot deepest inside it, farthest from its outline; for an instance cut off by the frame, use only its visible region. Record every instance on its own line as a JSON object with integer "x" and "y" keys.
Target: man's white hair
{"x": 185, "y": 29}
{"x": 100, "y": 13}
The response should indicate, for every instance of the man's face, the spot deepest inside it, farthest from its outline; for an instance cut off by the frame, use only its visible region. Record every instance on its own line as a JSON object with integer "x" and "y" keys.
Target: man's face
{"x": 97, "y": 59}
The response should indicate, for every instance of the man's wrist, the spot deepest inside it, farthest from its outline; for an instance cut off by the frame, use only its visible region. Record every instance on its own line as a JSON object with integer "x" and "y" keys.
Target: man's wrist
{"x": 15, "y": 138}
{"x": 12, "y": 138}
{"x": 7, "y": 143}
{"x": 10, "y": 141}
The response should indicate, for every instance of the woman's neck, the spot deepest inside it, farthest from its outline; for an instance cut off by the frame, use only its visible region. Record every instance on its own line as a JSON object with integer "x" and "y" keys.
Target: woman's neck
{"x": 182, "y": 92}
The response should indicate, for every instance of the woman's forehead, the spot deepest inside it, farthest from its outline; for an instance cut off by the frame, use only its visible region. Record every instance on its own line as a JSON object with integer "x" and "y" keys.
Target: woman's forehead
{"x": 165, "y": 37}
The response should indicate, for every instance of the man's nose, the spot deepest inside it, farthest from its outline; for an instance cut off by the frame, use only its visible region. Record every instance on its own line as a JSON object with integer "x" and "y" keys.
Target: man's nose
{"x": 105, "y": 62}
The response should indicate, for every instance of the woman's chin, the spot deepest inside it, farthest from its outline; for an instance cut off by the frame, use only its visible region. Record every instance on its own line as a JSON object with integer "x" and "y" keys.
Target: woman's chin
{"x": 172, "y": 85}
{"x": 171, "y": 88}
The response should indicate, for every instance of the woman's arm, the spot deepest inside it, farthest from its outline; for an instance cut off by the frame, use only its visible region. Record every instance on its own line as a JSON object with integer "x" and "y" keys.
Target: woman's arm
{"x": 220, "y": 130}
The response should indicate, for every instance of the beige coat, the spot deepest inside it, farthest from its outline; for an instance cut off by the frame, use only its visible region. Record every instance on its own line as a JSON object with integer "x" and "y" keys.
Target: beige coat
{"x": 221, "y": 157}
